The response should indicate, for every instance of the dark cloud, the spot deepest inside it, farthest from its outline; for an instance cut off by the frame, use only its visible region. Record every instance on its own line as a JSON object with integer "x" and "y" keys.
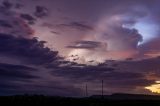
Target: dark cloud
{"x": 122, "y": 77}
{"x": 85, "y": 45}
{"x": 114, "y": 79}
{"x": 30, "y": 19}
{"x": 89, "y": 72}
{"x": 15, "y": 25}
{"x": 5, "y": 23}
{"x": 54, "y": 32}
{"x": 77, "y": 25}
{"x": 6, "y": 4}
{"x": 7, "y": 88}
{"x": 143, "y": 66}
{"x": 81, "y": 26}
{"x": 15, "y": 67}
{"x": 14, "y": 72}
{"x": 41, "y": 11}
{"x": 20, "y": 79}
{"x": 150, "y": 49}
{"x": 13, "y": 76}
{"x": 32, "y": 50}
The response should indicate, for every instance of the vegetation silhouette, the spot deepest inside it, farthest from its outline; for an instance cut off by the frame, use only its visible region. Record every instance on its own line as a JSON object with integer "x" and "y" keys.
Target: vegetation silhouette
{"x": 95, "y": 100}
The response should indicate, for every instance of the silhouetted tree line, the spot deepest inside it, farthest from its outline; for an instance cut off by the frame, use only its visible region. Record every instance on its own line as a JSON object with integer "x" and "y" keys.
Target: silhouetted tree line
{"x": 40, "y": 100}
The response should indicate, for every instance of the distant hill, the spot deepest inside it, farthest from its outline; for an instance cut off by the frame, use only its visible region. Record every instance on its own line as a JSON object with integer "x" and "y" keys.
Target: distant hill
{"x": 125, "y": 96}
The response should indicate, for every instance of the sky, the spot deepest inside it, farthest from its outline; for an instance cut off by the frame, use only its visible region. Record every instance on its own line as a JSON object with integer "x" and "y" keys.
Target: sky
{"x": 57, "y": 47}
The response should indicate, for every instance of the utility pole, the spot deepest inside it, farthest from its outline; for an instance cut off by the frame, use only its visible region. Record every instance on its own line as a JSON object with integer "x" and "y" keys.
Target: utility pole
{"x": 86, "y": 91}
{"x": 102, "y": 89}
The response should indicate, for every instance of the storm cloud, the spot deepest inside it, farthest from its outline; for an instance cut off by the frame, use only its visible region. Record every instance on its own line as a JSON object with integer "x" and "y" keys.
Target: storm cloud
{"x": 31, "y": 50}
{"x": 56, "y": 47}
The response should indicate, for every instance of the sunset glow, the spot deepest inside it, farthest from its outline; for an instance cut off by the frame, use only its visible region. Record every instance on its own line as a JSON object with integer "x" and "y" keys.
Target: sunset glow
{"x": 155, "y": 88}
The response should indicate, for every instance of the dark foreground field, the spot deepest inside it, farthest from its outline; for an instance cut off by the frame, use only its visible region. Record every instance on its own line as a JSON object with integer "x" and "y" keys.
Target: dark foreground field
{"x": 113, "y": 100}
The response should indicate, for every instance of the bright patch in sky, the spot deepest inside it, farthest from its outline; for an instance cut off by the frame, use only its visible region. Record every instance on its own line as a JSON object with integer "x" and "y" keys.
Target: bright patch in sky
{"x": 147, "y": 30}
{"x": 146, "y": 27}
{"x": 155, "y": 88}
